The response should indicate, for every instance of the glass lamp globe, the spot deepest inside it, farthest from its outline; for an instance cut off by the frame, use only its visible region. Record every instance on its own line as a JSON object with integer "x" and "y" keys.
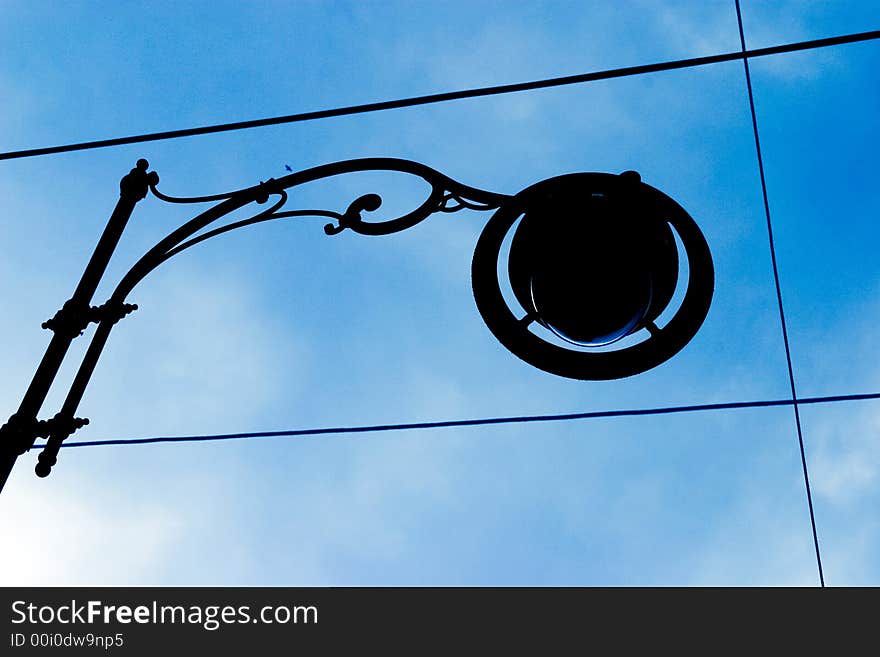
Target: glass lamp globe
{"x": 592, "y": 267}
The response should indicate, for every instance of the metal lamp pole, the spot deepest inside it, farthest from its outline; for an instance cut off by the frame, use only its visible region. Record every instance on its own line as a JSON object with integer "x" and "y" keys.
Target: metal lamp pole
{"x": 18, "y": 434}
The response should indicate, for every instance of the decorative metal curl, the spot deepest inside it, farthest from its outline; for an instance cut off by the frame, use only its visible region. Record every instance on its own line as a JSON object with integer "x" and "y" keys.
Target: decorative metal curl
{"x": 450, "y": 198}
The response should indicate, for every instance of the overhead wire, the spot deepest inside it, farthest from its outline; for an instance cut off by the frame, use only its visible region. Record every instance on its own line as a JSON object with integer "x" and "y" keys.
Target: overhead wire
{"x": 446, "y": 424}
{"x": 780, "y": 305}
{"x": 446, "y": 96}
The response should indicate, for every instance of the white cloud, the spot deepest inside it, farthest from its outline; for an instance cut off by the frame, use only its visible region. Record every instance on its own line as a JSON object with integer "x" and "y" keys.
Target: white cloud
{"x": 76, "y": 534}
{"x": 203, "y": 357}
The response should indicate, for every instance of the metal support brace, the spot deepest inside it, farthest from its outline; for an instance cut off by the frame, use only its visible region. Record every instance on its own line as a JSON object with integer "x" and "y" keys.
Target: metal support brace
{"x": 59, "y": 428}
{"x": 72, "y": 319}
{"x": 24, "y": 430}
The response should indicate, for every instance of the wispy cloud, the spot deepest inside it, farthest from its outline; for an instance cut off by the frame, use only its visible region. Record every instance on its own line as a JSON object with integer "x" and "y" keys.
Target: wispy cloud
{"x": 80, "y": 536}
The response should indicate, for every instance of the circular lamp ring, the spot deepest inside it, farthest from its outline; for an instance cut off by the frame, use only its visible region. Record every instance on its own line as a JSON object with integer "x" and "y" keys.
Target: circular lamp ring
{"x": 662, "y": 344}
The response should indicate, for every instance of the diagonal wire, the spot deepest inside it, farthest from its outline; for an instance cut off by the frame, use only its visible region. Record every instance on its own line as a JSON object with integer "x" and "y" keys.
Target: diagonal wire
{"x": 449, "y": 96}
{"x": 797, "y": 415}
{"x": 444, "y": 424}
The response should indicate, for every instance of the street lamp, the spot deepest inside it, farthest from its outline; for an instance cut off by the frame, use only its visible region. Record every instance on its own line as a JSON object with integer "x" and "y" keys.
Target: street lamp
{"x": 593, "y": 259}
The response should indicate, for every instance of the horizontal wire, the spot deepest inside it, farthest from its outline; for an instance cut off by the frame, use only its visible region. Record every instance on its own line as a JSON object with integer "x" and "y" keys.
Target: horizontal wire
{"x": 476, "y": 422}
{"x": 449, "y": 96}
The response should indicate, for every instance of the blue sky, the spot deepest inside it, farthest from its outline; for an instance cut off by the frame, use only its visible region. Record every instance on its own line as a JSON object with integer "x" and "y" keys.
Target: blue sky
{"x": 280, "y": 326}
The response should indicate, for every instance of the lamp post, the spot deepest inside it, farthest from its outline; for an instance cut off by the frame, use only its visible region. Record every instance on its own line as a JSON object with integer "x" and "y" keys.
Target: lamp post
{"x": 593, "y": 260}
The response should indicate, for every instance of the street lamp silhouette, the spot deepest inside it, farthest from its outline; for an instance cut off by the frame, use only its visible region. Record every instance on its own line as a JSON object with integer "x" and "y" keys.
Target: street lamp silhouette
{"x": 593, "y": 260}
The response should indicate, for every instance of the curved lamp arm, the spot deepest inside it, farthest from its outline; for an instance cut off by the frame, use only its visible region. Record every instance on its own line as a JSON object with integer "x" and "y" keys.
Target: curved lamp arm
{"x": 446, "y": 195}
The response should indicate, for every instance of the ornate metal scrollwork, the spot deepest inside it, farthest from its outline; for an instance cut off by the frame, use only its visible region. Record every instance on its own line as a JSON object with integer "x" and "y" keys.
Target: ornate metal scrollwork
{"x": 446, "y": 195}
{"x": 443, "y": 190}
